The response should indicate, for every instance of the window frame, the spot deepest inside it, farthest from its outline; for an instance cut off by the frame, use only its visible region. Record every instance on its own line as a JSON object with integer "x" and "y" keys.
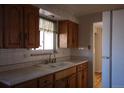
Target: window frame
{"x": 55, "y": 37}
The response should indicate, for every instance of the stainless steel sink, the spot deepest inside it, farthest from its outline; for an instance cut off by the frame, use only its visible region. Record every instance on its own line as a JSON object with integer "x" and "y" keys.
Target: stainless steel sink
{"x": 53, "y": 65}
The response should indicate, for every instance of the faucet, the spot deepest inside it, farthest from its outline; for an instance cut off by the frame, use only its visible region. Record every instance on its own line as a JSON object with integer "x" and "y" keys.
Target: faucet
{"x": 51, "y": 60}
{"x": 54, "y": 59}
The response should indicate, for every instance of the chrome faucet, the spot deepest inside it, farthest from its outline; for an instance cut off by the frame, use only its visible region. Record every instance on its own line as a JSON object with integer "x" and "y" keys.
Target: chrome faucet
{"x": 50, "y": 59}
{"x": 54, "y": 58}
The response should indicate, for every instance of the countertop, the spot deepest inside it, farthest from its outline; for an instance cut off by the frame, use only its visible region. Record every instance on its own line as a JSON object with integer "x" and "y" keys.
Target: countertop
{"x": 17, "y": 76}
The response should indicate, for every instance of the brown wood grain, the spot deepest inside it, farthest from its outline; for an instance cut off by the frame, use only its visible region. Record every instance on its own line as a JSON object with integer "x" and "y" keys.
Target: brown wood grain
{"x": 1, "y": 26}
{"x": 68, "y": 34}
{"x": 31, "y": 26}
{"x": 13, "y": 25}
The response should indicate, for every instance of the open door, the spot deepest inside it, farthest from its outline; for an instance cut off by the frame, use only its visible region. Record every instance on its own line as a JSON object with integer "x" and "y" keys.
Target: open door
{"x": 106, "y": 39}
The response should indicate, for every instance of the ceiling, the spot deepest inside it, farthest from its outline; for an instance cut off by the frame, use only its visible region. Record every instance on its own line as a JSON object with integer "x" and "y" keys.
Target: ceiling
{"x": 84, "y": 9}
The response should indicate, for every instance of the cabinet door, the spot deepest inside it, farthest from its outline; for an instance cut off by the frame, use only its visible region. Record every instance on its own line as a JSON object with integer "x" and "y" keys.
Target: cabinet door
{"x": 46, "y": 81}
{"x": 70, "y": 35}
{"x": 13, "y": 26}
{"x": 85, "y": 79}
{"x": 72, "y": 81}
{"x": 75, "y": 35}
{"x": 62, "y": 83}
{"x": 63, "y": 32}
{"x": 1, "y": 26}
{"x": 31, "y": 25}
{"x": 80, "y": 78}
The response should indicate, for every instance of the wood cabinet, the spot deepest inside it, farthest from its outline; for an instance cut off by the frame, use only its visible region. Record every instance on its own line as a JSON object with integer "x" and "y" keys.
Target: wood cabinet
{"x": 68, "y": 34}
{"x": 61, "y": 83}
{"x": 72, "y": 81}
{"x": 28, "y": 84}
{"x": 82, "y": 75}
{"x": 66, "y": 82}
{"x": 13, "y": 26}
{"x": 31, "y": 26}
{"x": 1, "y": 26}
{"x": 46, "y": 81}
{"x": 66, "y": 78}
{"x": 19, "y": 27}
{"x": 75, "y": 35}
{"x": 85, "y": 84}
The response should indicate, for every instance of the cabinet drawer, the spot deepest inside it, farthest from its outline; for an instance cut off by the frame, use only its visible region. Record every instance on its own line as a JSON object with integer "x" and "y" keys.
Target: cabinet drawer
{"x": 43, "y": 81}
{"x": 65, "y": 73}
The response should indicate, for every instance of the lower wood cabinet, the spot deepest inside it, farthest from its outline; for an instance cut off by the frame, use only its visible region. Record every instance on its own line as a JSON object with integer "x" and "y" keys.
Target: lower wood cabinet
{"x": 28, "y": 84}
{"x": 66, "y": 78}
{"x": 67, "y": 82}
{"x": 46, "y": 81}
{"x": 72, "y": 81}
{"x": 85, "y": 81}
{"x": 82, "y": 75}
{"x": 62, "y": 83}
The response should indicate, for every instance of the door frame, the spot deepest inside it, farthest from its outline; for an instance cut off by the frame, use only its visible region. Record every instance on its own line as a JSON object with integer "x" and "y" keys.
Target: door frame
{"x": 94, "y": 32}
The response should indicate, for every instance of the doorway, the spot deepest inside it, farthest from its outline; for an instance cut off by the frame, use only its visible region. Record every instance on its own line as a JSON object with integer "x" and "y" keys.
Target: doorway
{"x": 97, "y": 54}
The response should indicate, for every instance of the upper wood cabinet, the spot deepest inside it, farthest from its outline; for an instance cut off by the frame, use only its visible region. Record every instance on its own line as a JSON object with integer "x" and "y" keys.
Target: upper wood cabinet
{"x": 31, "y": 26}
{"x": 68, "y": 34}
{"x": 13, "y": 26}
{"x": 75, "y": 35}
{"x": 1, "y": 26}
{"x": 20, "y": 26}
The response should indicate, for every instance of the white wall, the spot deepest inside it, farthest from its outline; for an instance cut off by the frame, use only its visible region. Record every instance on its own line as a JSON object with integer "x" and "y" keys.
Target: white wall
{"x": 86, "y": 38}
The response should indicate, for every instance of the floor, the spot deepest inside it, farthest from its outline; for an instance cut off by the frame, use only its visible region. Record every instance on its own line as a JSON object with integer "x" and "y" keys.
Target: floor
{"x": 98, "y": 80}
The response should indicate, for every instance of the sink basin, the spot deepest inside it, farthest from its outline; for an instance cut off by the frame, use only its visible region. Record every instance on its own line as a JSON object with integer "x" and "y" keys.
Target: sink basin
{"x": 53, "y": 65}
{"x": 59, "y": 64}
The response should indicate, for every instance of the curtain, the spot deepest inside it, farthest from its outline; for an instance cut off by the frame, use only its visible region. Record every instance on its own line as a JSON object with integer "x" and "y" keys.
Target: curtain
{"x": 46, "y": 25}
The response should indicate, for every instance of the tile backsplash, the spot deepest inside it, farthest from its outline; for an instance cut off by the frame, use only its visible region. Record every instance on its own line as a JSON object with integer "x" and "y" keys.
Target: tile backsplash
{"x": 14, "y": 56}
{"x": 18, "y": 58}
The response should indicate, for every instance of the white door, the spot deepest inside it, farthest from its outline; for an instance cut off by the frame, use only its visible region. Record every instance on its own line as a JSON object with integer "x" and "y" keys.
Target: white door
{"x": 106, "y": 50}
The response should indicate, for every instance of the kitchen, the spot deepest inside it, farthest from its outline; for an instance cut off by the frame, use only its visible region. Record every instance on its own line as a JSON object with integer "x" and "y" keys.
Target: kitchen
{"x": 44, "y": 46}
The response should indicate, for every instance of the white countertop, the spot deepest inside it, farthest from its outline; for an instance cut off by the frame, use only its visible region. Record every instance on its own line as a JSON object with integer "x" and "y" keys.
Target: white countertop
{"x": 17, "y": 76}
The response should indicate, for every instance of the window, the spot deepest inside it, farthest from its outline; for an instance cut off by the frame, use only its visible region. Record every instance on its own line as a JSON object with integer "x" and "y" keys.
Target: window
{"x": 47, "y": 34}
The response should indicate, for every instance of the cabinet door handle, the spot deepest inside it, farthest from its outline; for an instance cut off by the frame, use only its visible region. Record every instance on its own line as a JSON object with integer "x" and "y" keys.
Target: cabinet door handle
{"x": 67, "y": 83}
